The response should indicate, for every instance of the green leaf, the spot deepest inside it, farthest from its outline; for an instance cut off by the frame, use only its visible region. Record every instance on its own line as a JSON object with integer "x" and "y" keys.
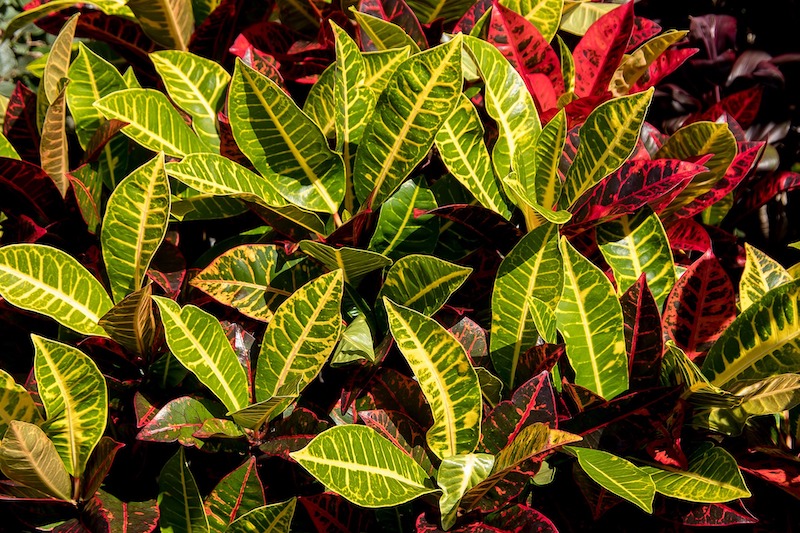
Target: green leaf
{"x": 678, "y": 369}
{"x": 170, "y": 23}
{"x": 235, "y": 495}
{"x": 636, "y": 64}
{"x": 356, "y": 343}
{"x": 134, "y": 225}
{"x": 15, "y": 403}
{"x": 761, "y": 274}
{"x": 637, "y": 244}
{"x": 420, "y": 96}
{"x": 302, "y": 334}
{"x": 152, "y": 121}
{"x": 196, "y": 85}
{"x": 74, "y": 395}
{"x": 179, "y": 501}
{"x": 579, "y": 15}
{"x": 763, "y": 341}
{"x": 423, "y": 282}
{"x": 283, "y": 143}
{"x": 319, "y": 104}
{"x": 256, "y": 415}
{"x": 544, "y": 14}
{"x": 197, "y": 340}
{"x": 531, "y": 271}
{"x": 461, "y": 146}
{"x": 491, "y": 386}
{"x": 383, "y": 34}
{"x": 6, "y": 149}
{"x": 354, "y": 262}
{"x": 590, "y": 319}
{"x": 53, "y": 146}
{"x": 455, "y": 477}
{"x": 446, "y": 377}
{"x": 607, "y": 138}
{"x": 274, "y": 518}
{"x": 713, "y": 477}
{"x": 56, "y": 67}
{"x": 363, "y": 467}
{"x": 179, "y": 420}
{"x": 617, "y": 475}
{"x": 769, "y": 396}
{"x": 29, "y": 16}
{"x": 46, "y": 280}
{"x": 27, "y": 456}
{"x": 539, "y": 175}
{"x": 398, "y": 231}
{"x": 430, "y": 10}
{"x": 567, "y": 67}
{"x": 381, "y": 66}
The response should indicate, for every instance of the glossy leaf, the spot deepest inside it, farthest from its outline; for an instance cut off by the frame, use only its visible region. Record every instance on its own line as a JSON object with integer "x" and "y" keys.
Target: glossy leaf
{"x": 544, "y": 14}
{"x": 168, "y": 22}
{"x": 75, "y": 398}
{"x": 579, "y": 16}
{"x": 235, "y": 495}
{"x": 179, "y": 498}
{"x": 53, "y": 147}
{"x": 274, "y": 518}
{"x": 423, "y": 283}
{"x": 354, "y": 262}
{"x": 256, "y": 415}
{"x": 600, "y": 50}
{"x": 430, "y": 10}
{"x": 365, "y": 468}
{"x": 761, "y": 274}
{"x": 131, "y": 322}
{"x": 643, "y": 339}
{"x": 15, "y": 403}
{"x": 456, "y": 476}
{"x": 27, "y": 456}
{"x": 99, "y": 465}
{"x": 197, "y": 340}
{"x": 377, "y": 34}
{"x": 617, "y": 475}
{"x": 635, "y": 65}
{"x": 539, "y": 175}
{"x": 179, "y": 420}
{"x": 398, "y": 13}
{"x": 398, "y": 231}
{"x": 130, "y": 517}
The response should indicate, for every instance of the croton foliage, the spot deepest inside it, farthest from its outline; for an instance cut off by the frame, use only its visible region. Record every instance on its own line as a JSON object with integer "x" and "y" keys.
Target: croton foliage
{"x": 387, "y": 265}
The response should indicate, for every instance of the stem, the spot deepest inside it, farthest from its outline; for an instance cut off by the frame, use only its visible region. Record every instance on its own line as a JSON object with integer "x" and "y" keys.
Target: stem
{"x": 337, "y": 220}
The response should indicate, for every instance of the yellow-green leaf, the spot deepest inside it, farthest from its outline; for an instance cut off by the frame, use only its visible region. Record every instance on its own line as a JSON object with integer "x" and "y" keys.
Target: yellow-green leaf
{"x": 15, "y": 403}
{"x": 544, "y": 14}
{"x": 455, "y": 477}
{"x": 56, "y": 67}
{"x": 273, "y": 518}
{"x": 761, "y": 274}
{"x": 430, "y": 10}
{"x": 538, "y": 172}
{"x": 354, "y": 262}
{"x": 635, "y": 65}
{"x": 27, "y": 456}
{"x": 423, "y": 283}
{"x": 580, "y": 14}
{"x": 179, "y": 501}
{"x": 170, "y": 23}
{"x": 382, "y": 34}
{"x": 617, "y": 475}
{"x": 6, "y": 149}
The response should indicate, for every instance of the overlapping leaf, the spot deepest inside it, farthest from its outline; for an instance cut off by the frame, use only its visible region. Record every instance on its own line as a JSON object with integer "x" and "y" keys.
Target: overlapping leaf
{"x": 643, "y": 338}
{"x": 617, "y": 475}
{"x": 15, "y": 403}
{"x": 761, "y": 274}
{"x": 544, "y": 14}
{"x": 273, "y": 518}
{"x": 430, "y": 10}
{"x": 235, "y": 495}
{"x": 456, "y": 476}
{"x": 399, "y": 231}
{"x": 598, "y": 54}
{"x": 423, "y": 283}
{"x": 354, "y": 262}
{"x": 179, "y": 501}
{"x": 27, "y": 456}
{"x": 168, "y": 22}
{"x": 53, "y": 148}
{"x": 377, "y": 34}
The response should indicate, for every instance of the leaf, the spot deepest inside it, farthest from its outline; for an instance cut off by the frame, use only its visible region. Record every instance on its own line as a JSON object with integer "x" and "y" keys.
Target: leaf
{"x": 7, "y": 149}
{"x": 46, "y": 280}
{"x": 179, "y": 499}
{"x": 607, "y": 138}
{"x": 75, "y": 398}
{"x": 179, "y": 420}
{"x": 423, "y": 283}
{"x": 356, "y": 343}
{"x": 397, "y": 12}
{"x": 331, "y": 513}
{"x": 131, "y": 322}
{"x": 129, "y": 517}
{"x": 197, "y": 340}
{"x": 590, "y": 319}
{"x": 170, "y": 23}
{"x": 99, "y": 465}
{"x": 152, "y": 121}
{"x": 15, "y": 403}
{"x": 761, "y": 342}
{"x": 491, "y": 386}
{"x": 461, "y": 146}
{"x": 531, "y": 271}
{"x": 197, "y": 85}
{"x": 678, "y": 369}
{"x": 283, "y": 143}
{"x": 538, "y": 175}
{"x": 635, "y": 65}
{"x": 27, "y": 456}
{"x": 319, "y": 104}
{"x": 430, "y": 10}
{"x": 446, "y": 377}
{"x": 56, "y": 67}
{"x": 377, "y": 34}
{"x": 713, "y": 477}
{"x": 53, "y": 147}
{"x": 134, "y": 225}
{"x": 579, "y": 15}
{"x": 618, "y": 476}
{"x": 544, "y": 14}
{"x": 363, "y": 467}
{"x": 761, "y": 274}
{"x": 302, "y": 334}
{"x": 354, "y": 262}
{"x": 274, "y": 518}
{"x": 455, "y": 477}
{"x": 637, "y": 244}
{"x": 256, "y": 415}
{"x": 643, "y": 338}
{"x": 234, "y": 496}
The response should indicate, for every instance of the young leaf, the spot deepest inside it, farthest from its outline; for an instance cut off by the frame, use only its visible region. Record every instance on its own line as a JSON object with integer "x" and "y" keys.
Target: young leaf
{"x": 53, "y": 147}
{"x": 15, "y": 403}
{"x": 27, "y": 456}
{"x": 423, "y": 283}
{"x": 618, "y": 476}
{"x": 455, "y": 477}
{"x": 46, "y": 280}
{"x": 365, "y": 468}
{"x": 354, "y": 262}
{"x": 197, "y": 340}
{"x": 446, "y": 377}
{"x": 761, "y": 274}
{"x": 179, "y": 499}
{"x": 168, "y": 22}
{"x": 598, "y": 54}
{"x": 235, "y": 495}
{"x": 131, "y": 322}
{"x": 274, "y": 518}
{"x": 75, "y": 398}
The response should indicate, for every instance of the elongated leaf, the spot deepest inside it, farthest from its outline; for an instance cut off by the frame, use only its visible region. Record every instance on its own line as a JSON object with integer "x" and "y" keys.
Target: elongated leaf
{"x": 197, "y": 340}
{"x": 6, "y": 149}
{"x": 134, "y": 225}
{"x": 635, "y": 65}
{"x": 15, "y": 403}
{"x": 678, "y": 369}
{"x": 590, "y": 318}
{"x": 131, "y": 322}
{"x": 643, "y": 338}
{"x": 761, "y": 274}
{"x": 461, "y": 146}
{"x": 456, "y": 476}
{"x": 396, "y": 12}
{"x": 179, "y": 420}
{"x": 446, "y": 377}
{"x": 74, "y": 395}
{"x": 300, "y": 337}
{"x": 532, "y": 270}
{"x": 274, "y": 518}
{"x": 234, "y": 496}
{"x": 53, "y": 147}
{"x": 771, "y": 395}
{"x": 168, "y": 22}
{"x": 403, "y": 127}
{"x": 377, "y": 34}
{"x": 27, "y": 456}
{"x": 607, "y": 138}
{"x": 544, "y": 14}
{"x": 179, "y": 499}
{"x": 598, "y": 54}
{"x": 538, "y": 175}
{"x": 284, "y": 143}
{"x": 713, "y": 476}
{"x": 363, "y": 467}
{"x": 423, "y": 283}
{"x": 36, "y": 12}
{"x": 152, "y": 121}
{"x": 430, "y": 10}
{"x": 51, "y": 282}
{"x": 618, "y": 476}
{"x": 256, "y": 415}
{"x": 354, "y": 262}
{"x": 56, "y": 67}
{"x": 197, "y": 85}
{"x": 398, "y": 231}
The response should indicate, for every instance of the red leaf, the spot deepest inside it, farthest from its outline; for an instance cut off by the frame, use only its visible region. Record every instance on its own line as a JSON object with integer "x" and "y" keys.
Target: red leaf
{"x": 20, "y": 123}
{"x": 473, "y": 338}
{"x": 538, "y": 359}
{"x": 699, "y": 308}
{"x": 706, "y": 514}
{"x": 599, "y": 52}
{"x": 129, "y": 517}
{"x": 781, "y": 472}
{"x": 168, "y": 268}
{"x": 98, "y": 465}
{"x": 532, "y": 56}
{"x": 102, "y": 135}
{"x": 393, "y": 391}
{"x": 765, "y": 190}
{"x": 143, "y": 409}
{"x": 333, "y": 514}
{"x": 643, "y": 29}
{"x": 27, "y": 189}
{"x": 666, "y": 64}
{"x": 483, "y": 223}
{"x": 578, "y": 110}
{"x": 394, "y": 11}
{"x": 473, "y": 14}
{"x": 264, "y": 64}
{"x": 356, "y": 232}
{"x": 521, "y": 519}
{"x": 643, "y": 339}
{"x": 689, "y": 236}
{"x": 395, "y": 426}
{"x": 216, "y": 34}
{"x": 742, "y": 106}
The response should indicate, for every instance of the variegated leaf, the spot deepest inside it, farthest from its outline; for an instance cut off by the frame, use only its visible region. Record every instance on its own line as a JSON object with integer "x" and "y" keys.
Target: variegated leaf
{"x": 273, "y": 518}
{"x": 53, "y": 147}
{"x": 761, "y": 274}
{"x": 15, "y": 403}
{"x": 354, "y": 262}
{"x": 179, "y": 502}
{"x": 27, "y": 456}
{"x": 423, "y": 283}
{"x": 168, "y": 22}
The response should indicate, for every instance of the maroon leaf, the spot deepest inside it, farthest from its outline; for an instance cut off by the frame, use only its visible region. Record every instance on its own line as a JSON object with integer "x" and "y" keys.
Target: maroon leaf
{"x": 742, "y": 106}
{"x": 217, "y": 32}
{"x": 333, "y": 514}
{"x": 168, "y": 268}
{"x": 179, "y": 419}
{"x": 700, "y": 306}
{"x": 765, "y": 190}
{"x": 102, "y": 135}
{"x": 473, "y": 14}
{"x": 22, "y": 229}
{"x": 424, "y": 526}
{"x": 393, "y": 391}
{"x": 282, "y": 446}
{"x": 129, "y": 517}
{"x": 706, "y": 514}
{"x": 689, "y": 236}
{"x": 600, "y": 51}
{"x": 599, "y": 500}
{"x": 482, "y": 223}
{"x": 643, "y": 339}
{"x": 300, "y": 422}
{"x": 98, "y": 465}
{"x": 394, "y": 11}
{"x": 227, "y": 144}
{"x": 395, "y": 426}
{"x": 538, "y": 359}
{"x": 521, "y": 518}
{"x": 782, "y": 472}
{"x": 663, "y": 66}
{"x": 473, "y": 338}
{"x": 356, "y": 231}
{"x": 643, "y": 29}
{"x": 20, "y": 123}
{"x": 532, "y": 56}
{"x": 578, "y": 110}
{"x": 532, "y": 402}
{"x": 27, "y": 189}
{"x": 264, "y": 64}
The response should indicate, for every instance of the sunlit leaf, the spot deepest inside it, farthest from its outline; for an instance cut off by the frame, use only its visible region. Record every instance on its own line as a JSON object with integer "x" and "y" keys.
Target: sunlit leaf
{"x": 273, "y": 518}
{"x": 456, "y": 476}
{"x": 179, "y": 498}
{"x": 761, "y": 274}
{"x": 168, "y": 22}
{"x": 423, "y": 283}
{"x": 618, "y": 476}
{"x": 27, "y": 456}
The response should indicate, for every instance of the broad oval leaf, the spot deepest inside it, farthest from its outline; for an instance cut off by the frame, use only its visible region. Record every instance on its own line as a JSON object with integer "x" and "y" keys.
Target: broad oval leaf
{"x": 363, "y": 467}
{"x": 168, "y": 22}
{"x": 354, "y": 262}
{"x": 197, "y": 340}
{"x": 235, "y": 495}
{"x": 423, "y": 283}
{"x": 456, "y": 476}
{"x": 179, "y": 499}
{"x": 618, "y": 476}
{"x": 15, "y": 403}
{"x": 446, "y": 377}
{"x": 761, "y": 274}
{"x": 75, "y": 398}
{"x": 46, "y": 280}
{"x": 179, "y": 420}
{"x": 398, "y": 231}
{"x": 273, "y": 518}
{"x": 27, "y": 456}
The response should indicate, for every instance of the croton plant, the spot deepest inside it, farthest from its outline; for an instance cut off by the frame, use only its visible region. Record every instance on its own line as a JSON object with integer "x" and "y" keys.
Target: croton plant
{"x": 391, "y": 265}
